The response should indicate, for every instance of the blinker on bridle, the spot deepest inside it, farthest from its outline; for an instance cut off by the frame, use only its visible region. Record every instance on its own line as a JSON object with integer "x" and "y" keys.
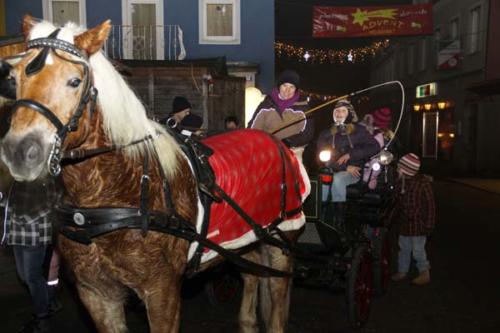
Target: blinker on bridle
{"x": 89, "y": 93}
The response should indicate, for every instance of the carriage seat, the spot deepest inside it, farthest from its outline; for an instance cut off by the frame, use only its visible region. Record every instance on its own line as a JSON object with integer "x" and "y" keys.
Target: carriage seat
{"x": 366, "y": 204}
{"x": 361, "y": 193}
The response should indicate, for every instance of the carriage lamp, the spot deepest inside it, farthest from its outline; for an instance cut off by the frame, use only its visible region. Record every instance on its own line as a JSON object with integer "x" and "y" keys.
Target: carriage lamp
{"x": 325, "y": 155}
{"x": 326, "y": 175}
{"x": 383, "y": 158}
{"x": 375, "y": 165}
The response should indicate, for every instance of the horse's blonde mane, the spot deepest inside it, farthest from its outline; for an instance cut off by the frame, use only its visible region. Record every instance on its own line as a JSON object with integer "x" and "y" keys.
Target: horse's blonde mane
{"x": 124, "y": 115}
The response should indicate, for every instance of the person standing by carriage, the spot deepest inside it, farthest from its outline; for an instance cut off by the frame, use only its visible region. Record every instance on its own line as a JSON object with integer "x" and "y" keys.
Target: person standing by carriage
{"x": 283, "y": 107}
{"x": 180, "y": 109}
{"x": 28, "y": 230}
{"x": 351, "y": 145}
{"x": 414, "y": 212}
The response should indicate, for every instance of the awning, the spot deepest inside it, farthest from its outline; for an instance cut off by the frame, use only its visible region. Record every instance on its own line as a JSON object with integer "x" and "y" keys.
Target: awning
{"x": 485, "y": 88}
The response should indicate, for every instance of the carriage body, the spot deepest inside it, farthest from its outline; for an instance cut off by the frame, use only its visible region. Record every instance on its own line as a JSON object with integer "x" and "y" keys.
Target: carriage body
{"x": 354, "y": 257}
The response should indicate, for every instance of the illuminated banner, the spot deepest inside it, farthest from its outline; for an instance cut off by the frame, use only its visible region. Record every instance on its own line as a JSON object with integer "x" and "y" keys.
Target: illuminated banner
{"x": 338, "y": 22}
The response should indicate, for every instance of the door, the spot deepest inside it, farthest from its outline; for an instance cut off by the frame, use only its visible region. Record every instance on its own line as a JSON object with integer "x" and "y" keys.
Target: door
{"x": 225, "y": 98}
{"x": 430, "y": 134}
{"x": 61, "y": 11}
{"x": 143, "y": 29}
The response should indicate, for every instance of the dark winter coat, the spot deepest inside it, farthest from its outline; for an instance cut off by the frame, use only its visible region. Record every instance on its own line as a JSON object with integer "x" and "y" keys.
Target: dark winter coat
{"x": 269, "y": 118}
{"x": 351, "y": 138}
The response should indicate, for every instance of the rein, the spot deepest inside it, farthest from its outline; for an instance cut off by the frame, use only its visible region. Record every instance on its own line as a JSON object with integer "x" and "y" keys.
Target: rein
{"x": 309, "y": 112}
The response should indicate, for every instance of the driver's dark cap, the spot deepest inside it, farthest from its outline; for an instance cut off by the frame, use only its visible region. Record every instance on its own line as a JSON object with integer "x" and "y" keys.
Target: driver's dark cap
{"x": 179, "y": 104}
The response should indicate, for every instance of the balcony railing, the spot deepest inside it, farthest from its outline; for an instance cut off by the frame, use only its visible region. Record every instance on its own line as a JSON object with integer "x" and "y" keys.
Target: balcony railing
{"x": 145, "y": 42}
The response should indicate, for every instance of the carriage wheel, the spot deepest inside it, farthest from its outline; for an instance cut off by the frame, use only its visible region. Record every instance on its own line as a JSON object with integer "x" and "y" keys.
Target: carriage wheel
{"x": 222, "y": 288}
{"x": 381, "y": 263}
{"x": 359, "y": 286}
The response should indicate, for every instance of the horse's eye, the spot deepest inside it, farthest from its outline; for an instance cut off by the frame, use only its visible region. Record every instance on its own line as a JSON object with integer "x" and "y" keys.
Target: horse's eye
{"x": 75, "y": 82}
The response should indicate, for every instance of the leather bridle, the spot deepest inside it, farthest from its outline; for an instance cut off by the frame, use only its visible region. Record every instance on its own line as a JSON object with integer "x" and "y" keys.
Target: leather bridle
{"x": 89, "y": 94}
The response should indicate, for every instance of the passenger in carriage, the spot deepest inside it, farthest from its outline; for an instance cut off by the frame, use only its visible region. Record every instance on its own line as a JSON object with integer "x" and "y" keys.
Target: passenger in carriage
{"x": 284, "y": 106}
{"x": 378, "y": 123}
{"x": 351, "y": 145}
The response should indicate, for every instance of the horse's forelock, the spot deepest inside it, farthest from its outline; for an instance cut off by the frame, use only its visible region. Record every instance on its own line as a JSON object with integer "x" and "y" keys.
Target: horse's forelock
{"x": 66, "y": 33}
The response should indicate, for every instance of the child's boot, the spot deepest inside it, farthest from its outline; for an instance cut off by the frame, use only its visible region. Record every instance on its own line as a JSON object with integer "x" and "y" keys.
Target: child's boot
{"x": 399, "y": 276}
{"x": 422, "y": 278}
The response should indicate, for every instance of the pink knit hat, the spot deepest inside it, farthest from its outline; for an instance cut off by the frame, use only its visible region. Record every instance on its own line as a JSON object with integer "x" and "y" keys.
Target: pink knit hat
{"x": 409, "y": 164}
{"x": 382, "y": 117}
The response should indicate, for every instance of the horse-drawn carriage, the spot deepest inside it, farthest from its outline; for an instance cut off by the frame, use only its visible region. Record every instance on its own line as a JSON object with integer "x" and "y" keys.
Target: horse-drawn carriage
{"x": 351, "y": 255}
{"x": 138, "y": 198}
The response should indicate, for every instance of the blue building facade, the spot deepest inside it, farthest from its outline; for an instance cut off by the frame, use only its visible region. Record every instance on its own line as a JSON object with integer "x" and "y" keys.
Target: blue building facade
{"x": 254, "y": 25}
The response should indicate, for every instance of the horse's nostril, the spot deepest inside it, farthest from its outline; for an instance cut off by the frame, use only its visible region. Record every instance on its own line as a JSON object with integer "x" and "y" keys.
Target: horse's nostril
{"x": 32, "y": 153}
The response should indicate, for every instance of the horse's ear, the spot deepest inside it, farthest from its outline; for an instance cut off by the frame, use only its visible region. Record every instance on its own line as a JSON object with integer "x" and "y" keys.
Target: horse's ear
{"x": 28, "y": 23}
{"x": 92, "y": 40}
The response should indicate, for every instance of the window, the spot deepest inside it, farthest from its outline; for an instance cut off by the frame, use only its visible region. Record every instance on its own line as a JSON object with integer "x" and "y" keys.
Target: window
{"x": 411, "y": 59}
{"x": 454, "y": 29}
{"x": 219, "y": 21}
{"x": 474, "y": 33}
{"x": 142, "y": 31}
{"x": 61, "y": 11}
{"x": 402, "y": 63}
{"x": 422, "y": 54}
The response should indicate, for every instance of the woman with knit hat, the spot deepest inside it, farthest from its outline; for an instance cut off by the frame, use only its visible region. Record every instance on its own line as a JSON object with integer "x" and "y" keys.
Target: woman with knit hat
{"x": 283, "y": 107}
{"x": 414, "y": 212}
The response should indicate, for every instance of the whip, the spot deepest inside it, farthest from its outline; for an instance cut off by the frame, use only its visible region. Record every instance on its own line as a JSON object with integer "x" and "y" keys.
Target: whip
{"x": 316, "y": 108}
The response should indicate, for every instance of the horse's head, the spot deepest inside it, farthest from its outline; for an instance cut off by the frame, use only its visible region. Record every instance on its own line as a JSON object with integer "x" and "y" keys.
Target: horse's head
{"x": 53, "y": 89}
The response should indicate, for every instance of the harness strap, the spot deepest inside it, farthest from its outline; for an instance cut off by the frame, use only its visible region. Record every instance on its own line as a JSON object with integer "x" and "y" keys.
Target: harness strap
{"x": 40, "y": 108}
{"x": 79, "y": 153}
{"x": 128, "y": 218}
{"x": 144, "y": 196}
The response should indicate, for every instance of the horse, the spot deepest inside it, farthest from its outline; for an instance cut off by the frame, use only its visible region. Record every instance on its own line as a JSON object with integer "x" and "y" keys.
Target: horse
{"x": 76, "y": 118}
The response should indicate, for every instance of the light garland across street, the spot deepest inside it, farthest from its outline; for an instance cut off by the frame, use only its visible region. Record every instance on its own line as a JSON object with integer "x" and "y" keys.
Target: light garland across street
{"x": 321, "y": 56}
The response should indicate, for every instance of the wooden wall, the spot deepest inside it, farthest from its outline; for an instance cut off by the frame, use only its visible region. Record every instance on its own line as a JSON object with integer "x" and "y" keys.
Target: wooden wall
{"x": 212, "y": 99}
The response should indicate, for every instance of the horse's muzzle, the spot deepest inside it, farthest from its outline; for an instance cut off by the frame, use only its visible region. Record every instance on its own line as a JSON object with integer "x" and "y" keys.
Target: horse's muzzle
{"x": 25, "y": 156}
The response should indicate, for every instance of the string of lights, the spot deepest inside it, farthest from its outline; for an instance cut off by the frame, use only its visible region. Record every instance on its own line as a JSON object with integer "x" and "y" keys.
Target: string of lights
{"x": 326, "y": 97}
{"x": 320, "y": 56}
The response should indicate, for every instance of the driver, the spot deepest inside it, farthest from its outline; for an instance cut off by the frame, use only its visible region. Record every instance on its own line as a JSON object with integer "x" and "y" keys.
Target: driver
{"x": 351, "y": 145}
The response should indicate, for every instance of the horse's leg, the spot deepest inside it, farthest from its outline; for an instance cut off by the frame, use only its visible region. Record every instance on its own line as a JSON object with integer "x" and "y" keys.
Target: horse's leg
{"x": 105, "y": 307}
{"x": 275, "y": 291}
{"x": 163, "y": 303}
{"x": 248, "y": 310}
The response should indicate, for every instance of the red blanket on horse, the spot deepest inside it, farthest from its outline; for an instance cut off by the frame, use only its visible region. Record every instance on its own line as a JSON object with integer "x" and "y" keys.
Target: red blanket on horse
{"x": 248, "y": 167}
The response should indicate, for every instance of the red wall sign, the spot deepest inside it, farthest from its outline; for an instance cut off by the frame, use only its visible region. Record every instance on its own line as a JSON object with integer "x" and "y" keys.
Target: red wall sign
{"x": 341, "y": 22}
